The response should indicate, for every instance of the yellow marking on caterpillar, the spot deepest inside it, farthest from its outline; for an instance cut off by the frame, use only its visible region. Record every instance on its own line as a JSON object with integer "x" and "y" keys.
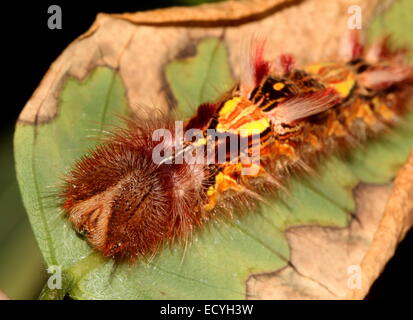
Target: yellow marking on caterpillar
{"x": 385, "y": 112}
{"x": 334, "y": 76}
{"x": 246, "y": 111}
{"x": 201, "y": 141}
{"x": 239, "y": 114}
{"x": 343, "y": 88}
{"x": 230, "y": 106}
{"x": 254, "y": 127}
{"x": 223, "y": 182}
{"x": 210, "y": 191}
{"x": 278, "y": 86}
{"x": 315, "y": 68}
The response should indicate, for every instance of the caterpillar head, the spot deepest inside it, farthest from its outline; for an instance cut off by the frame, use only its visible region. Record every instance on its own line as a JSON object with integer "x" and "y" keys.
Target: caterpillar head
{"x": 125, "y": 204}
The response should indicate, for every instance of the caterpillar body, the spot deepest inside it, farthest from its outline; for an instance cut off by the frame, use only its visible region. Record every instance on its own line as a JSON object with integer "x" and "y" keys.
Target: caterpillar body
{"x": 128, "y": 206}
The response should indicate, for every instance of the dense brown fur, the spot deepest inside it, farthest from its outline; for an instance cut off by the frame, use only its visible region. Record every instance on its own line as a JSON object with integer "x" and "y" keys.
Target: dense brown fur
{"x": 124, "y": 203}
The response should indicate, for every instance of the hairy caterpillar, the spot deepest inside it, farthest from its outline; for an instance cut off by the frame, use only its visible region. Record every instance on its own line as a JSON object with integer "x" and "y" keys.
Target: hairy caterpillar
{"x": 128, "y": 205}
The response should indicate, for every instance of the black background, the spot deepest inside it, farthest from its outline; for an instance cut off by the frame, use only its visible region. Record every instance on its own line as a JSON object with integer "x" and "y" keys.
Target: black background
{"x": 30, "y": 47}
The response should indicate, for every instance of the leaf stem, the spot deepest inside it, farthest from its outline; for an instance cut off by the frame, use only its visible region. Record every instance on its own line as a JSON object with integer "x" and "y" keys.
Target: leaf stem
{"x": 72, "y": 276}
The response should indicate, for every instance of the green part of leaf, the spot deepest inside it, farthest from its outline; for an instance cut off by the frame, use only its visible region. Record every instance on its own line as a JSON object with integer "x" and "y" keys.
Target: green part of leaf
{"x": 45, "y": 152}
{"x": 383, "y": 157}
{"x": 396, "y": 22}
{"x": 220, "y": 259}
{"x": 56, "y": 289}
{"x": 201, "y": 78}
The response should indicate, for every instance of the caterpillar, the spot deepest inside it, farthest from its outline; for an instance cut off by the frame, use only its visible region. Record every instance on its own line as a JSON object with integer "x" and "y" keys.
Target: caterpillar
{"x": 129, "y": 206}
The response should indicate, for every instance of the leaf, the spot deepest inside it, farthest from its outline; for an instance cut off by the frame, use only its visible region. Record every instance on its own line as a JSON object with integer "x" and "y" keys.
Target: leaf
{"x": 199, "y": 79}
{"x": 285, "y": 251}
{"x": 16, "y": 236}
